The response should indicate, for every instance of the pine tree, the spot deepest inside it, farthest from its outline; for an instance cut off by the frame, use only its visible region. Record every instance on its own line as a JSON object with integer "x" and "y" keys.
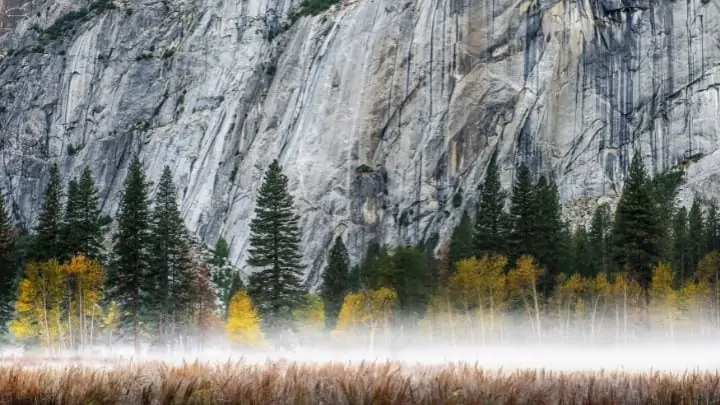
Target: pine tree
{"x": 680, "y": 248}
{"x": 129, "y": 280}
{"x": 489, "y": 233}
{"x": 361, "y": 274}
{"x": 637, "y": 233}
{"x": 581, "y": 253}
{"x": 8, "y": 271}
{"x": 354, "y": 284}
{"x": 48, "y": 242}
{"x": 712, "y": 228}
{"x": 405, "y": 270}
{"x": 550, "y": 244}
{"x": 275, "y": 250}
{"x": 522, "y": 215}
{"x": 221, "y": 253}
{"x": 71, "y": 231}
{"x": 84, "y": 228}
{"x": 335, "y": 282}
{"x": 171, "y": 260}
{"x": 696, "y": 233}
{"x": 600, "y": 240}
{"x": 461, "y": 241}
{"x": 225, "y": 277}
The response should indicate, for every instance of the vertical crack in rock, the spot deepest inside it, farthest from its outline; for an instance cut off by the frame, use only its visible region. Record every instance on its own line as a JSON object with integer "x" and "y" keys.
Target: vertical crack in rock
{"x": 419, "y": 91}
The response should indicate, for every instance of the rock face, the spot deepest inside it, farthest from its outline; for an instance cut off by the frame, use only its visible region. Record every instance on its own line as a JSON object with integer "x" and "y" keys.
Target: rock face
{"x": 419, "y": 91}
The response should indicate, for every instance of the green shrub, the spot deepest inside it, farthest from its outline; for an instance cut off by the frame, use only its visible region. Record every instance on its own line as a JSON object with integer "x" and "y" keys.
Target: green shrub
{"x": 70, "y": 20}
{"x": 144, "y": 56}
{"x": 168, "y": 53}
{"x": 458, "y": 198}
{"x": 364, "y": 169}
{"x": 314, "y": 7}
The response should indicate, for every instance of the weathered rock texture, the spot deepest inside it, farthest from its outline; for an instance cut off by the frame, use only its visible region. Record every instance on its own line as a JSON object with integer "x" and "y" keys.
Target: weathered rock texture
{"x": 421, "y": 91}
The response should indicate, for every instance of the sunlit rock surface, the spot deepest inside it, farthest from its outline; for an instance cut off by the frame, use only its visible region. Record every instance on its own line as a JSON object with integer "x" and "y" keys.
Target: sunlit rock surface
{"x": 420, "y": 91}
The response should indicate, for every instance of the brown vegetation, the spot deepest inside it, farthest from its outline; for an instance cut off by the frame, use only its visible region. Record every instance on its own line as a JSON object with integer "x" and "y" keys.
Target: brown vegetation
{"x": 365, "y": 383}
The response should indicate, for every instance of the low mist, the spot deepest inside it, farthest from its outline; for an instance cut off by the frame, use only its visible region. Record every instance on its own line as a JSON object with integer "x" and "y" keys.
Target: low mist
{"x": 514, "y": 346}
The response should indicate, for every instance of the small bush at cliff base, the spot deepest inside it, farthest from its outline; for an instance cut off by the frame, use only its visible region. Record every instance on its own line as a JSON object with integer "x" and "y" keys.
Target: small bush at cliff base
{"x": 364, "y": 169}
{"x": 314, "y": 7}
{"x": 71, "y": 19}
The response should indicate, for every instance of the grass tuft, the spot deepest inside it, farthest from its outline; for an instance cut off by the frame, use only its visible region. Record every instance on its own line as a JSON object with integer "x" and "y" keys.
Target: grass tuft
{"x": 286, "y": 382}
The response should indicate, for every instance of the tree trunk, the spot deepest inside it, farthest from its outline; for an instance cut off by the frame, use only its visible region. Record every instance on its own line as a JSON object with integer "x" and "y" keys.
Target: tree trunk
{"x": 452, "y": 322}
{"x": 537, "y": 313}
{"x": 92, "y": 325}
{"x": 625, "y": 313}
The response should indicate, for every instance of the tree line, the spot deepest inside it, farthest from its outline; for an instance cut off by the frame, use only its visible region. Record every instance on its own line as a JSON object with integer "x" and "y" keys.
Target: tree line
{"x": 649, "y": 266}
{"x": 513, "y": 256}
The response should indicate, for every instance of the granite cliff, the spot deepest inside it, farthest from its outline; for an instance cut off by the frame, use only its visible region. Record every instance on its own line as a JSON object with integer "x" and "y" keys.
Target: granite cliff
{"x": 382, "y": 112}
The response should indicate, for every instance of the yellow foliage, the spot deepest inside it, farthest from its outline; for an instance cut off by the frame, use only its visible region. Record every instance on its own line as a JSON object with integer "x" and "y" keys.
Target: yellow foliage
{"x": 522, "y": 280}
{"x": 243, "y": 323}
{"x": 661, "y": 287}
{"x": 311, "y": 316}
{"x": 39, "y": 305}
{"x": 86, "y": 289}
{"x": 90, "y": 280}
{"x": 481, "y": 282}
{"x": 111, "y": 315}
{"x": 366, "y": 308}
{"x": 709, "y": 267}
{"x": 23, "y": 328}
{"x": 601, "y": 285}
{"x": 694, "y": 295}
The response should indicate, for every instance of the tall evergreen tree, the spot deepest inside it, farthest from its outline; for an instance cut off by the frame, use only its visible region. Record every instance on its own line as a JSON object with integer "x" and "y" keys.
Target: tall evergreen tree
{"x": 275, "y": 249}
{"x": 712, "y": 228}
{"x": 84, "y": 226}
{"x": 70, "y": 228}
{"x": 221, "y": 253}
{"x": 637, "y": 233}
{"x": 335, "y": 282}
{"x": 8, "y": 270}
{"x": 354, "y": 284}
{"x": 49, "y": 231}
{"x": 664, "y": 188}
{"x": 461, "y": 240}
{"x": 489, "y": 234}
{"x": 225, "y": 277}
{"x": 680, "y": 246}
{"x": 551, "y": 244}
{"x": 696, "y": 236}
{"x": 600, "y": 240}
{"x": 405, "y": 270}
{"x": 581, "y": 253}
{"x": 129, "y": 280}
{"x": 523, "y": 209}
{"x": 172, "y": 268}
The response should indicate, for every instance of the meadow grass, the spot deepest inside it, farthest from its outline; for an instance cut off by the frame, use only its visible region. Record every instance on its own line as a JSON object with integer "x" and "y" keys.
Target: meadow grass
{"x": 36, "y": 381}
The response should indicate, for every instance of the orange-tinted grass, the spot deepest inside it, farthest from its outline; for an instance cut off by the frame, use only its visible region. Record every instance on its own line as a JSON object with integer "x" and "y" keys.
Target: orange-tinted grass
{"x": 287, "y": 382}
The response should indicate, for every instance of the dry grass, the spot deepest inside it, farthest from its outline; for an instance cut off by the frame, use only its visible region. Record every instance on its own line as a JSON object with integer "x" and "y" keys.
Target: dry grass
{"x": 365, "y": 383}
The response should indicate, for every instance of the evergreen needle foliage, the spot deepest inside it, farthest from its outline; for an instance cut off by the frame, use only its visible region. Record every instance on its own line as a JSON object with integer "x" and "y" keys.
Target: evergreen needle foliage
{"x": 336, "y": 279}
{"x": 129, "y": 279}
{"x": 172, "y": 276}
{"x": 275, "y": 251}
{"x": 637, "y": 234}
{"x": 49, "y": 231}
{"x": 522, "y": 214}
{"x": 8, "y": 273}
{"x": 84, "y": 227}
{"x": 489, "y": 233}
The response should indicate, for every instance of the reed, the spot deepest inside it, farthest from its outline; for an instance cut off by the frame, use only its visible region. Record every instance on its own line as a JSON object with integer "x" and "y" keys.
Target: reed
{"x": 292, "y": 383}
